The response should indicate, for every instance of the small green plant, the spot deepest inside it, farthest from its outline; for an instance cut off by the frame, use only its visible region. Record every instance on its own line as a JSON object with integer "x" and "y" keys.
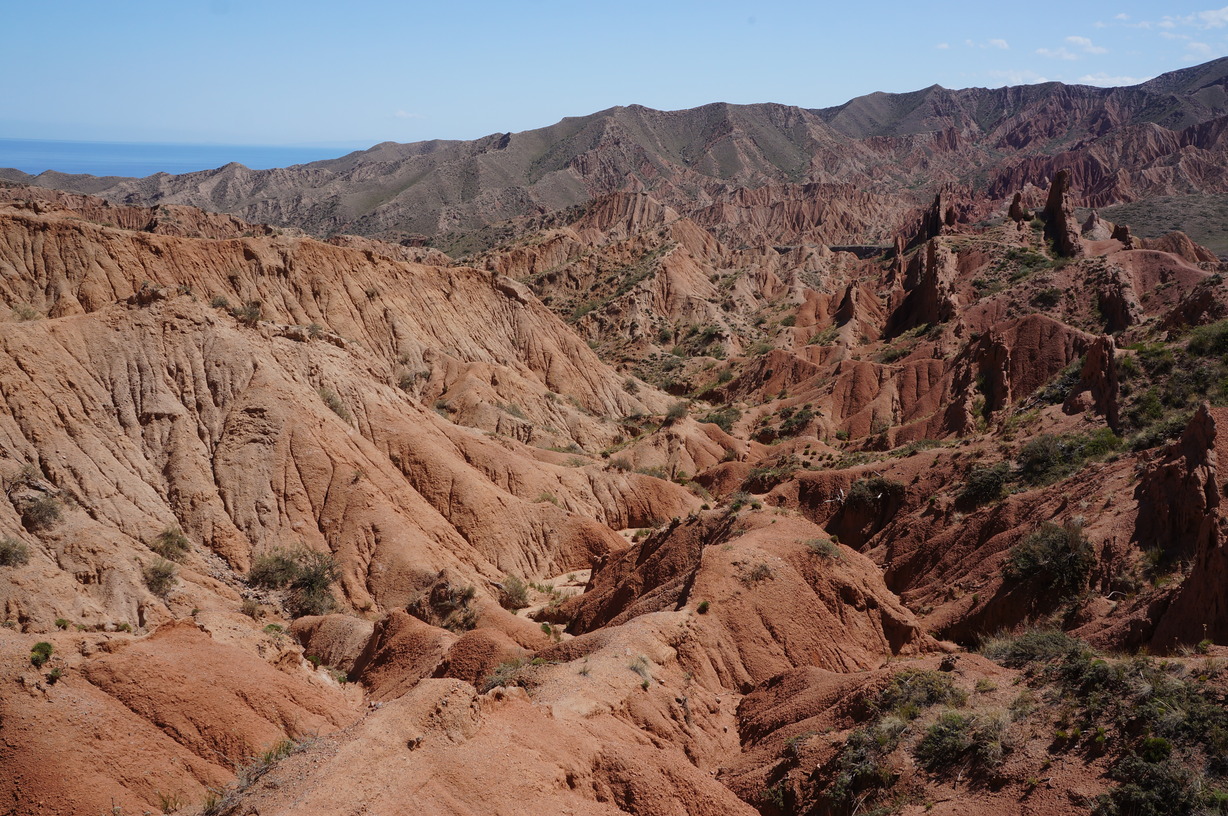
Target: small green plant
{"x": 513, "y": 593}
{"x": 171, "y": 802}
{"x": 913, "y": 690}
{"x": 219, "y": 302}
{"x": 961, "y": 739}
{"x": 1034, "y": 646}
{"x": 61, "y": 624}
{"x": 676, "y": 412}
{"x": 823, "y": 548}
{"x": 702, "y": 608}
{"x": 446, "y": 605}
{"x": 249, "y": 314}
{"x": 171, "y": 544}
{"x": 159, "y": 577}
{"x": 334, "y": 403}
{"x": 985, "y": 485}
{"x": 508, "y": 673}
{"x": 42, "y": 513}
{"x": 1058, "y": 555}
{"x": 307, "y": 575}
{"x": 759, "y": 572}
{"x": 41, "y": 653}
{"x": 869, "y": 495}
{"x": 13, "y": 553}
{"x": 54, "y": 676}
{"x": 641, "y": 667}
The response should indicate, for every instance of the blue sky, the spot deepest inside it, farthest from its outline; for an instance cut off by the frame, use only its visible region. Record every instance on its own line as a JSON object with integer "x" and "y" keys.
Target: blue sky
{"x": 292, "y": 73}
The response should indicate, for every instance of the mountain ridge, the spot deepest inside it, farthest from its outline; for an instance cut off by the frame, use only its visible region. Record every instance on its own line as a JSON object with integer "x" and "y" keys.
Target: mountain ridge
{"x": 911, "y": 144}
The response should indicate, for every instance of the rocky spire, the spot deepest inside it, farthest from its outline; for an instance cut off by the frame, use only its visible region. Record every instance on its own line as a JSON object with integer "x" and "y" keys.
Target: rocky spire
{"x": 1060, "y": 224}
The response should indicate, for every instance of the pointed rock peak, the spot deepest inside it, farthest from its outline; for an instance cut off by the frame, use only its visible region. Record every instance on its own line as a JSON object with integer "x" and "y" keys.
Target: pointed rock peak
{"x": 1061, "y": 226}
{"x": 1018, "y": 212}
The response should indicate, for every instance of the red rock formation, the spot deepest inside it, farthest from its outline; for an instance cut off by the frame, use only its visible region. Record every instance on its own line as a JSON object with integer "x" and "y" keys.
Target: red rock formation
{"x": 1060, "y": 224}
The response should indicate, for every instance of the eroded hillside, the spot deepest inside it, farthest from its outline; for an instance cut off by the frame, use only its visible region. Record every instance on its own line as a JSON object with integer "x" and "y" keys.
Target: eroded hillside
{"x": 648, "y": 511}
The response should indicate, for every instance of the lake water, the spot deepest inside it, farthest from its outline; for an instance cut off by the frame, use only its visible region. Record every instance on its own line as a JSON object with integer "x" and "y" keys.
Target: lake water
{"x": 143, "y": 159}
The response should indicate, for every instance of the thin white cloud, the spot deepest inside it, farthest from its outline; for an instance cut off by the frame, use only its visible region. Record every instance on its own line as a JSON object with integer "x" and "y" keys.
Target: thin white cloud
{"x": 1168, "y": 35}
{"x": 402, "y": 114}
{"x": 1086, "y": 45}
{"x": 1216, "y": 18}
{"x": 943, "y": 46}
{"x": 994, "y": 43}
{"x": 1198, "y": 49}
{"x": 1057, "y": 53}
{"x": 1122, "y": 16}
{"x": 1105, "y": 80}
{"x": 1203, "y": 20}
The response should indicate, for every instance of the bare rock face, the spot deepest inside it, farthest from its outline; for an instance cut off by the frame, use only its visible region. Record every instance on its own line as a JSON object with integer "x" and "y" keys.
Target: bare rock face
{"x": 1121, "y": 232}
{"x": 1098, "y": 383}
{"x": 1097, "y": 229}
{"x": 1061, "y": 227}
{"x": 183, "y": 706}
{"x": 1180, "y": 511}
{"x": 1017, "y": 212}
{"x": 936, "y": 297}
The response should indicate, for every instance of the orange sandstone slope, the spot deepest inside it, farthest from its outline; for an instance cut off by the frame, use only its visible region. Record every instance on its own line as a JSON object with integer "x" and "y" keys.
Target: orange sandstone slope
{"x": 676, "y": 580}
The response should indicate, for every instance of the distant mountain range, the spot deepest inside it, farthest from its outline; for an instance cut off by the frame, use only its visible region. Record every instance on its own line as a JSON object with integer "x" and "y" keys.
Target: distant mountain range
{"x": 873, "y": 161}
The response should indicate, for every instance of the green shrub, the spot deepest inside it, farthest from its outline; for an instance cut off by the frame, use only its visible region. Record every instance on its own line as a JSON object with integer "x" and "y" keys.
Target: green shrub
{"x": 985, "y": 485}
{"x": 334, "y": 403}
{"x": 274, "y": 570}
{"x": 1151, "y": 789}
{"x": 41, "y": 653}
{"x": 703, "y": 607}
{"x": 723, "y": 418}
{"x": 958, "y": 739}
{"x": 1047, "y": 298}
{"x": 861, "y": 767}
{"x": 249, "y": 314}
{"x": 508, "y": 673}
{"x": 1047, "y": 458}
{"x": 447, "y": 606}
{"x": 1033, "y": 646}
{"x": 159, "y": 577}
{"x": 676, "y": 412}
{"x": 307, "y": 575}
{"x": 913, "y": 690}
{"x": 823, "y": 548}
{"x": 42, "y": 514}
{"x": 869, "y": 495}
{"x": 513, "y": 593}
{"x": 309, "y": 590}
{"x": 1206, "y": 341}
{"x": 171, "y": 544}
{"x": 1059, "y": 556}
{"x": 13, "y": 553}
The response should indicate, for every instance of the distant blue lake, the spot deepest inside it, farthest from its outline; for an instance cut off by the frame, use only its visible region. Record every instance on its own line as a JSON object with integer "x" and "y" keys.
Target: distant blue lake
{"x": 143, "y": 159}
